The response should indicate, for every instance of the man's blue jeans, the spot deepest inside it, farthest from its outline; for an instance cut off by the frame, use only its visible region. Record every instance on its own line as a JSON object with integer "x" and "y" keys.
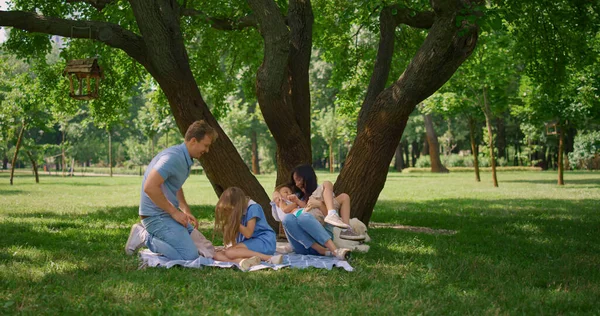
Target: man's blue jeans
{"x": 168, "y": 237}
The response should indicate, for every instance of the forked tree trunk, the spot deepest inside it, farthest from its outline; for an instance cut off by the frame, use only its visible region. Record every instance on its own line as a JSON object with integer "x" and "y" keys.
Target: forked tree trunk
{"x": 33, "y": 166}
{"x": 282, "y": 85}
{"x": 488, "y": 122}
{"x": 434, "y": 146}
{"x": 382, "y": 122}
{"x": 14, "y": 160}
{"x": 474, "y": 149}
{"x": 561, "y": 148}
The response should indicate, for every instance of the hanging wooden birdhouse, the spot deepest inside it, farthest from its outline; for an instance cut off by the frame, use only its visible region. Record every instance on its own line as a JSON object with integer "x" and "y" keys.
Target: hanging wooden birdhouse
{"x": 82, "y": 70}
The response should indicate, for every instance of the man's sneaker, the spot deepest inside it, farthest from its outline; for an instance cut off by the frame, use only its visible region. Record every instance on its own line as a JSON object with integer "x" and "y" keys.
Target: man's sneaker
{"x": 137, "y": 239}
{"x": 276, "y": 259}
{"x": 248, "y": 263}
{"x": 349, "y": 234}
{"x": 341, "y": 253}
{"x": 335, "y": 220}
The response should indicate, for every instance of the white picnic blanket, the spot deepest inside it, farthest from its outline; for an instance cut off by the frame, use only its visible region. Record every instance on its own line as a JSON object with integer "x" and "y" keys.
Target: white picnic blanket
{"x": 291, "y": 260}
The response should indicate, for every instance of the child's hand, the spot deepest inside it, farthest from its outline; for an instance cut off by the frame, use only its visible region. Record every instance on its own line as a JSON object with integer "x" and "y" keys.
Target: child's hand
{"x": 293, "y": 198}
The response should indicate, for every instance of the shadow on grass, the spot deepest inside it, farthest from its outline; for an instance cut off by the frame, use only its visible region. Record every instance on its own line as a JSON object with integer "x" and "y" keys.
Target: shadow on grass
{"x": 10, "y": 192}
{"x": 511, "y": 255}
{"x": 588, "y": 181}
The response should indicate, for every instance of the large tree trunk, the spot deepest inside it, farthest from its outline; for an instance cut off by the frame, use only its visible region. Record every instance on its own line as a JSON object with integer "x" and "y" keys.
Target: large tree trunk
{"x": 282, "y": 85}
{"x": 5, "y": 162}
{"x": 331, "y": 158}
{"x": 561, "y": 148}
{"x": 158, "y": 22}
{"x": 474, "y": 149}
{"x": 384, "y": 120}
{"x": 488, "y": 122}
{"x": 14, "y": 160}
{"x": 34, "y": 166}
{"x": 434, "y": 146}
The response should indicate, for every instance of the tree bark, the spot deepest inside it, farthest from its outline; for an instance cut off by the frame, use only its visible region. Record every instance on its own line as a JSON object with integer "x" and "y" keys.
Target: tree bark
{"x": 488, "y": 122}
{"x": 474, "y": 149}
{"x": 561, "y": 148}
{"x": 383, "y": 122}
{"x": 282, "y": 85}
{"x": 158, "y": 22}
{"x": 34, "y": 166}
{"x": 5, "y": 162}
{"x": 17, "y": 146}
{"x": 434, "y": 146}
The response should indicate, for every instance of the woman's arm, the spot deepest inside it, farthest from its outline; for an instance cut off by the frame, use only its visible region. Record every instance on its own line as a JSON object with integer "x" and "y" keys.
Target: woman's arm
{"x": 248, "y": 230}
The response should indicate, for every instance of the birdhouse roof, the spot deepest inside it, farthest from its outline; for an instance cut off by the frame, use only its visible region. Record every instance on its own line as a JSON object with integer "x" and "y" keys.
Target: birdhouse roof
{"x": 83, "y": 66}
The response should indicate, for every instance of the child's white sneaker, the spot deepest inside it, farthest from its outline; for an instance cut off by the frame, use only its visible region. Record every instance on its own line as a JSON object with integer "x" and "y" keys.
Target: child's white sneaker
{"x": 335, "y": 220}
{"x": 248, "y": 263}
{"x": 341, "y": 253}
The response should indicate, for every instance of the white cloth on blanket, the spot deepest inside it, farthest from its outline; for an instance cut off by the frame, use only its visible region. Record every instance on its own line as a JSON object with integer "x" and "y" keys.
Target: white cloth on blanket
{"x": 277, "y": 212}
{"x": 292, "y": 260}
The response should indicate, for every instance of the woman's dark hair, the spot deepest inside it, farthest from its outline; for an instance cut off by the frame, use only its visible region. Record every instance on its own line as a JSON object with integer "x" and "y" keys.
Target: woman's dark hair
{"x": 307, "y": 173}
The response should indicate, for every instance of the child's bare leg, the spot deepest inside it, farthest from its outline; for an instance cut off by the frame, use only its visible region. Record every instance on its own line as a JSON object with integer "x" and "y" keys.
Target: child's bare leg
{"x": 328, "y": 195}
{"x": 320, "y": 249}
{"x": 222, "y": 256}
{"x": 344, "y": 200}
{"x": 240, "y": 251}
{"x": 332, "y": 216}
{"x": 330, "y": 245}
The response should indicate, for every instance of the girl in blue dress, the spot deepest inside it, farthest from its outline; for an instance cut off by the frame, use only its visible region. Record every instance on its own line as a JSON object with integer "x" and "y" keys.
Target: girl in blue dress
{"x": 244, "y": 226}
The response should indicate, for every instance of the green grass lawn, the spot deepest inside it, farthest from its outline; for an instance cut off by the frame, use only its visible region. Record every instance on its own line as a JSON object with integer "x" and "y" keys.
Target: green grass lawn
{"x": 527, "y": 247}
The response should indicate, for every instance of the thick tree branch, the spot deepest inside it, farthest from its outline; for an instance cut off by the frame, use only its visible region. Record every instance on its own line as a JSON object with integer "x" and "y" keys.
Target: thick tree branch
{"x": 389, "y": 19}
{"x": 222, "y": 23}
{"x": 108, "y": 33}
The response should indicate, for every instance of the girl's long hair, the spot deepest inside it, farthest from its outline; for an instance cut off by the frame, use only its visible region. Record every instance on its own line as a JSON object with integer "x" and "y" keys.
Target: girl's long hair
{"x": 228, "y": 214}
{"x": 307, "y": 173}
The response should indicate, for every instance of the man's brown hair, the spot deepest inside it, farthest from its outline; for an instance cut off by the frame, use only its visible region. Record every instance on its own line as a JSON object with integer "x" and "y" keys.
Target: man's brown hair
{"x": 199, "y": 129}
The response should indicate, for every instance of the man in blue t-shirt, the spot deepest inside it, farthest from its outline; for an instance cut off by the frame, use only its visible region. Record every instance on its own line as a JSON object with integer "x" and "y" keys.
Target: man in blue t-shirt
{"x": 166, "y": 217}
